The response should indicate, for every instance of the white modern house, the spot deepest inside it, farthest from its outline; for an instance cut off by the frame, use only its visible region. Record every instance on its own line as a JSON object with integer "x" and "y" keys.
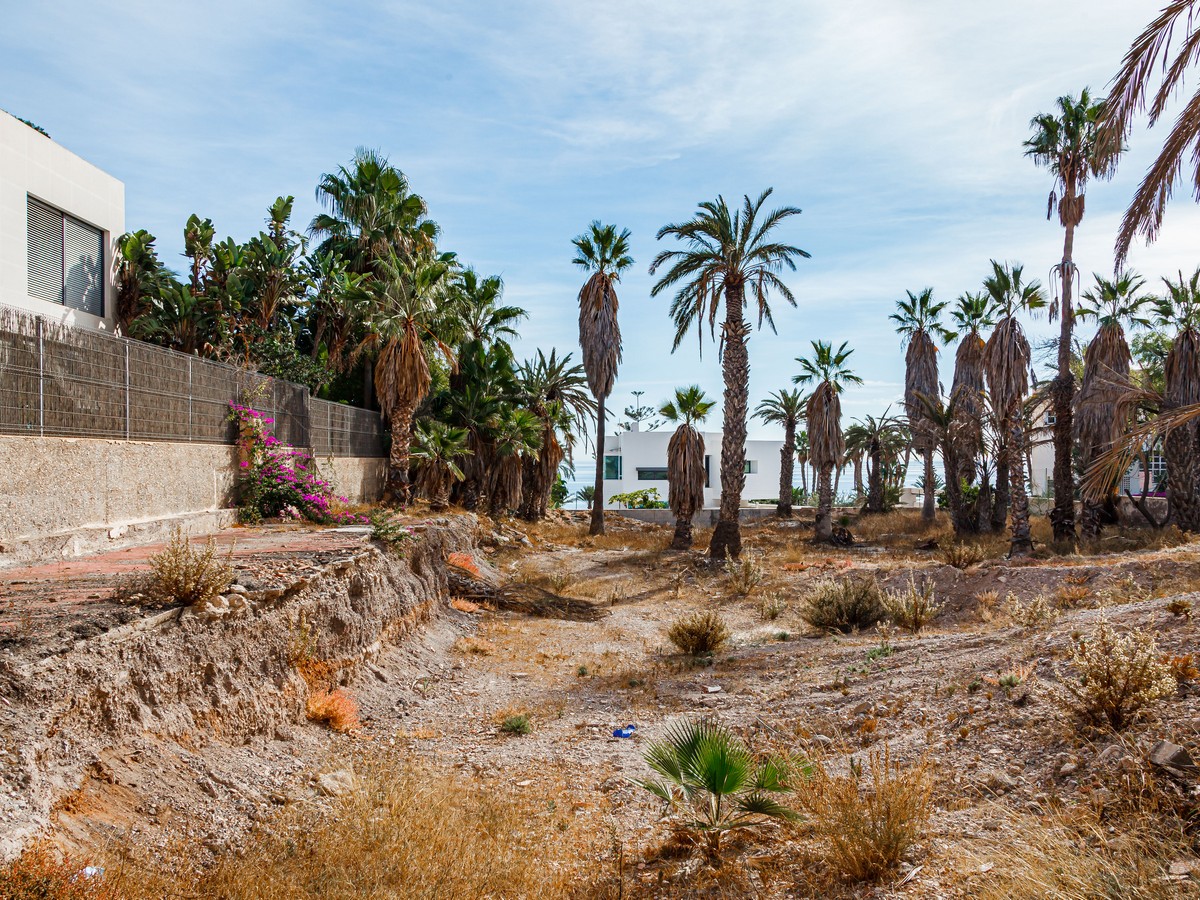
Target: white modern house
{"x": 59, "y": 219}
{"x": 636, "y": 460}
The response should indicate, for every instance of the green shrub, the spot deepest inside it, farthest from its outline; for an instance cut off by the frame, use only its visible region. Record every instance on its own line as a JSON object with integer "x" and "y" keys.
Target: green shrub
{"x": 518, "y": 724}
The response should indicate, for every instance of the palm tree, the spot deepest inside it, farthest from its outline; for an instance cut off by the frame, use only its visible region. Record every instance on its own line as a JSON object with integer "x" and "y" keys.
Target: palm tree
{"x": 685, "y": 459}
{"x": 1130, "y": 95}
{"x": 784, "y": 408}
{"x": 1102, "y": 416}
{"x": 516, "y": 435}
{"x": 483, "y": 319}
{"x": 827, "y": 369}
{"x": 1006, "y": 362}
{"x": 726, "y": 253}
{"x": 335, "y": 307}
{"x": 1180, "y": 309}
{"x": 604, "y": 252}
{"x": 437, "y": 448}
{"x": 408, "y": 315}
{"x": 1065, "y": 143}
{"x": 706, "y": 771}
{"x": 802, "y": 457}
{"x": 971, "y": 314}
{"x": 917, "y": 322}
{"x": 879, "y": 441}
{"x": 555, "y": 391}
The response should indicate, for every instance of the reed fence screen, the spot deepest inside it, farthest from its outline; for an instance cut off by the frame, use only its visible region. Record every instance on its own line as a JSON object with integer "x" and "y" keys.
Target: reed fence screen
{"x": 60, "y": 381}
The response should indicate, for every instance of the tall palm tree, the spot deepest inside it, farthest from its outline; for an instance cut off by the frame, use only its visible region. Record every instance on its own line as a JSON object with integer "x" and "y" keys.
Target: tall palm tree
{"x": 786, "y": 409}
{"x": 484, "y": 319}
{"x": 880, "y": 441}
{"x": 918, "y": 324}
{"x": 727, "y": 253}
{"x": 408, "y": 315}
{"x": 1102, "y": 417}
{"x": 685, "y": 459}
{"x": 1007, "y": 361}
{"x": 603, "y": 251}
{"x": 1065, "y": 143}
{"x": 826, "y": 369}
{"x": 437, "y": 449}
{"x": 1180, "y": 310}
{"x": 1147, "y": 63}
{"x": 971, "y": 314}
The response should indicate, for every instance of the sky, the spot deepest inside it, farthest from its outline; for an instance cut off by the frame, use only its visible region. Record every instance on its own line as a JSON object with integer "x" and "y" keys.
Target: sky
{"x": 895, "y": 125}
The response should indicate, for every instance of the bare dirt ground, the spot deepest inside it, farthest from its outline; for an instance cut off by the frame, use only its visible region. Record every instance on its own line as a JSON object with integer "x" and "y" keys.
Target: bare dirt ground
{"x": 1011, "y": 765}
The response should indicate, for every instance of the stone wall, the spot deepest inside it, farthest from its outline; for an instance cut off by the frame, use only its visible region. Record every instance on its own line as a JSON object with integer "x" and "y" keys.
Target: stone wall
{"x": 69, "y": 496}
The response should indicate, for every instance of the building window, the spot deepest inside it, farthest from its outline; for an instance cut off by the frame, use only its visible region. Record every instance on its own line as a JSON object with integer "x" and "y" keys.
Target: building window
{"x": 651, "y": 473}
{"x": 707, "y": 470}
{"x": 751, "y": 467}
{"x": 65, "y": 259}
{"x": 612, "y": 468}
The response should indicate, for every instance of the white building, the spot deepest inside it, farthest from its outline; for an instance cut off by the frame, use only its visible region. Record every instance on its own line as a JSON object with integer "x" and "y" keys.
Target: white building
{"x": 637, "y": 460}
{"x": 59, "y": 219}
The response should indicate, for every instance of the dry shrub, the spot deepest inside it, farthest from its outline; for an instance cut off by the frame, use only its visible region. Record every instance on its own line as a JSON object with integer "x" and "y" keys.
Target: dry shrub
{"x": 1183, "y": 668}
{"x": 914, "y": 607}
{"x": 986, "y": 603}
{"x": 1180, "y": 607}
{"x": 181, "y": 574}
{"x": 463, "y": 605}
{"x": 845, "y": 605}
{"x": 1118, "y": 675}
{"x": 335, "y": 709}
{"x": 476, "y": 645}
{"x": 408, "y": 829}
{"x": 771, "y": 607}
{"x": 868, "y": 820}
{"x": 39, "y": 874}
{"x": 963, "y": 556}
{"x": 743, "y": 575}
{"x": 1038, "y": 611}
{"x": 1070, "y": 595}
{"x": 1079, "y": 856}
{"x": 699, "y": 633}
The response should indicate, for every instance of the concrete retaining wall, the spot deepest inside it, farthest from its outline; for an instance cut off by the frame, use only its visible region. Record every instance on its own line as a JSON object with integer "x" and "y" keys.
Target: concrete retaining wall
{"x": 69, "y": 496}
{"x": 708, "y": 517}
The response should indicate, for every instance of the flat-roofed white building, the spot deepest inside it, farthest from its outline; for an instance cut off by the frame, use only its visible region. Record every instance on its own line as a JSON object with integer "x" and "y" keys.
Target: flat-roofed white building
{"x": 637, "y": 460}
{"x": 60, "y": 217}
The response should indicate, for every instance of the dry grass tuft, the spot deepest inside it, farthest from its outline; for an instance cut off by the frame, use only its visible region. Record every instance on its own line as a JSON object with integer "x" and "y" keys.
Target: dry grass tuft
{"x": 771, "y": 607}
{"x": 963, "y": 556}
{"x": 1070, "y": 595}
{"x": 1037, "y": 612}
{"x": 40, "y": 874}
{"x": 1183, "y": 668}
{"x": 699, "y": 633}
{"x": 868, "y": 821}
{"x": 914, "y": 607}
{"x": 181, "y": 574}
{"x": 408, "y": 829}
{"x": 335, "y": 709}
{"x": 743, "y": 575}
{"x": 463, "y": 605}
{"x": 845, "y": 605}
{"x": 1180, "y": 607}
{"x": 1117, "y": 676}
{"x": 474, "y": 645}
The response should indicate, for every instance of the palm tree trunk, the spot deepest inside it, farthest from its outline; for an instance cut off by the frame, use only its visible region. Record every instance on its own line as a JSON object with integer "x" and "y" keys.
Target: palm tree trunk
{"x": 804, "y": 480}
{"x": 597, "y": 526}
{"x": 683, "y": 534}
{"x": 397, "y": 489}
{"x": 1022, "y": 543}
{"x": 1179, "y": 450}
{"x": 837, "y": 479}
{"x": 823, "y": 529}
{"x": 858, "y": 481}
{"x": 727, "y": 536}
{"x": 1001, "y": 496}
{"x": 787, "y": 456}
{"x": 983, "y": 506}
{"x": 875, "y": 496}
{"x": 929, "y": 506}
{"x": 1062, "y": 518}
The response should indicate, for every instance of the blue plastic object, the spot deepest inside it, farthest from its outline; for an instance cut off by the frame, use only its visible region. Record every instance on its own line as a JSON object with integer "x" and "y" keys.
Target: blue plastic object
{"x": 625, "y": 732}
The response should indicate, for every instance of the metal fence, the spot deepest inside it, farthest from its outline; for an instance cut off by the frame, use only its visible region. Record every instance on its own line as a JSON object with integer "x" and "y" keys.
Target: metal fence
{"x": 66, "y": 382}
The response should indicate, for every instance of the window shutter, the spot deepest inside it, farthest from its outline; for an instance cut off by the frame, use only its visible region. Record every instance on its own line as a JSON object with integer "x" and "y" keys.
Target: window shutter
{"x": 83, "y": 267}
{"x": 45, "y": 252}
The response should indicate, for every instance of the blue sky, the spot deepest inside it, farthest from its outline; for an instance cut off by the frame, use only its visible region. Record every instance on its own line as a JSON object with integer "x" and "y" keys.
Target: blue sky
{"x": 896, "y": 127}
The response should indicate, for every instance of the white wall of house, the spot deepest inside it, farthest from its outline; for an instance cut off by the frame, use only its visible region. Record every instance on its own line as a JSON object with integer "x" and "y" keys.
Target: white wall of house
{"x": 93, "y": 207}
{"x": 642, "y": 464}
